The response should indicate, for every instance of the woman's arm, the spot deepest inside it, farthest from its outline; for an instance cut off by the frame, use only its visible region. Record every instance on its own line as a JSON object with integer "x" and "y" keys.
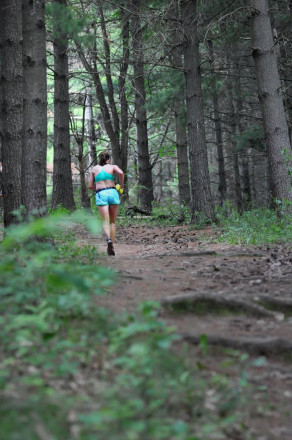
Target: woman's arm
{"x": 91, "y": 184}
{"x": 121, "y": 175}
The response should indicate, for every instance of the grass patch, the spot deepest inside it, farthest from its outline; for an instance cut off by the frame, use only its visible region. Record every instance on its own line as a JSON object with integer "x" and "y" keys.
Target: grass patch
{"x": 256, "y": 227}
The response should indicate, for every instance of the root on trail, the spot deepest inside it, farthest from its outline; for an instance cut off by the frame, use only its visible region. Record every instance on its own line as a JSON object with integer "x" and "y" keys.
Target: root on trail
{"x": 171, "y": 254}
{"x": 181, "y": 254}
{"x": 281, "y": 304}
{"x": 255, "y": 346}
{"x": 233, "y": 303}
{"x": 131, "y": 209}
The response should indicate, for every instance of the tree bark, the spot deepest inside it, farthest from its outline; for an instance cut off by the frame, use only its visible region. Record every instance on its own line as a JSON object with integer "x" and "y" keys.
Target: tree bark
{"x": 90, "y": 130}
{"x": 62, "y": 174}
{"x": 200, "y": 180}
{"x": 218, "y": 135}
{"x": 11, "y": 111}
{"x": 123, "y": 96}
{"x": 108, "y": 74}
{"x": 85, "y": 201}
{"x": 34, "y": 108}
{"x": 79, "y": 137}
{"x": 271, "y": 101}
{"x": 179, "y": 108}
{"x": 243, "y": 155}
{"x": 234, "y": 190}
{"x": 145, "y": 194}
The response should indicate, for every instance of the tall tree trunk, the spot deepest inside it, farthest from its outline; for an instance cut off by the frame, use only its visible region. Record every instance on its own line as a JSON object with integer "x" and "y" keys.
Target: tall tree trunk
{"x": 286, "y": 61}
{"x": 85, "y": 201}
{"x": 182, "y": 156}
{"x": 179, "y": 107}
{"x": 34, "y": 108}
{"x": 218, "y": 135}
{"x": 232, "y": 148}
{"x": 11, "y": 105}
{"x": 271, "y": 101}
{"x": 90, "y": 130}
{"x": 108, "y": 74}
{"x": 62, "y": 174}
{"x": 240, "y": 127}
{"x": 200, "y": 180}
{"x": 235, "y": 192}
{"x": 123, "y": 96}
{"x": 80, "y": 137}
{"x": 145, "y": 195}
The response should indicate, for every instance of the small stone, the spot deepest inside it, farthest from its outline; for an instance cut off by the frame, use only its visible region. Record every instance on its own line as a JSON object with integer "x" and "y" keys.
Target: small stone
{"x": 255, "y": 282}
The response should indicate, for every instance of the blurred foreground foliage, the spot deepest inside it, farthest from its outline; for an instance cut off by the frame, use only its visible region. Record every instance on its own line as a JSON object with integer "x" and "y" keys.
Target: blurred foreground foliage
{"x": 71, "y": 369}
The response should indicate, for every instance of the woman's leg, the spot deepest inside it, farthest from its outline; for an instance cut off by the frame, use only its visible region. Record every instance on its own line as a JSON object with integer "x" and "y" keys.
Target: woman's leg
{"x": 105, "y": 216}
{"x": 113, "y": 213}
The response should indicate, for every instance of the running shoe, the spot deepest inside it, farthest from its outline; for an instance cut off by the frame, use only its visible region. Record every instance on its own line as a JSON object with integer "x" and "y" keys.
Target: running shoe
{"x": 110, "y": 248}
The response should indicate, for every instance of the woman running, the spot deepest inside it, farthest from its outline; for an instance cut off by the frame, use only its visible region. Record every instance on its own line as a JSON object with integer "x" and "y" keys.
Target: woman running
{"x": 107, "y": 197}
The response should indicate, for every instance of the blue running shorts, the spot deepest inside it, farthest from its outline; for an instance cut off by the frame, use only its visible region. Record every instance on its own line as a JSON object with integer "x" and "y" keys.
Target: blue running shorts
{"x": 107, "y": 196}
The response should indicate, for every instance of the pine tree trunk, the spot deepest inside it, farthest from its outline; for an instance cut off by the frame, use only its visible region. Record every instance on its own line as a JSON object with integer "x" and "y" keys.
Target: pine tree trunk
{"x": 145, "y": 194}
{"x": 271, "y": 101}
{"x": 62, "y": 174}
{"x": 232, "y": 147}
{"x": 285, "y": 60}
{"x": 240, "y": 128}
{"x": 11, "y": 105}
{"x": 182, "y": 157}
{"x": 123, "y": 96}
{"x": 234, "y": 190}
{"x": 90, "y": 131}
{"x": 85, "y": 201}
{"x": 200, "y": 181}
{"x": 218, "y": 135}
{"x": 179, "y": 108}
{"x": 34, "y": 108}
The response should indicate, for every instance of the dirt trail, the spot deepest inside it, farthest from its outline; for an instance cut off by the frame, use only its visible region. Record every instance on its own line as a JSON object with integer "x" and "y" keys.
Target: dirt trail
{"x": 255, "y": 285}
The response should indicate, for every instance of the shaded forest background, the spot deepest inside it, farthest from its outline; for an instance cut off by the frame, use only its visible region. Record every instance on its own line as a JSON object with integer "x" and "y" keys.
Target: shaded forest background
{"x": 192, "y": 99}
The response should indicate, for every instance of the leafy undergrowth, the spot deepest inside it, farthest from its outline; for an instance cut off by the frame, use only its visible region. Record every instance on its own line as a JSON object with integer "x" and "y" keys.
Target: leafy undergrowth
{"x": 256, "y": 227}
{"x": 72, "y": 370}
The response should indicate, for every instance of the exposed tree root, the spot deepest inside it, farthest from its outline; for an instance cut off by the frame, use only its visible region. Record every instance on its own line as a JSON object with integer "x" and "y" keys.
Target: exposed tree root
{"x": 190, "y": 300}
{"x": 132, "y": 277}
{"x": 280, "y": 304}
{"x": 182, "y": 254}
{"x": 240, "y": 254}
{"x": 173, "y": 254}
{"x": 255, "y": 346}
{"x": 131, "y": 209}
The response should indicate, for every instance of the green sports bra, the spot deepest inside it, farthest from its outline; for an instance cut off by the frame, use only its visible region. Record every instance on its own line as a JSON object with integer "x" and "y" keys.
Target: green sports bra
{"x": 103, "y": 175}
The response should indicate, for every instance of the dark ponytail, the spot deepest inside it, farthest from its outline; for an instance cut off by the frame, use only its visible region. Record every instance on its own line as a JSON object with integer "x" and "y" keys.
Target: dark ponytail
{"x": 103, "y": 158}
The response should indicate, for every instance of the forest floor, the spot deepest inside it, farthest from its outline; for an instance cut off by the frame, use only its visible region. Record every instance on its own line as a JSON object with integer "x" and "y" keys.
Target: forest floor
{"x": 239, "y": 297}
